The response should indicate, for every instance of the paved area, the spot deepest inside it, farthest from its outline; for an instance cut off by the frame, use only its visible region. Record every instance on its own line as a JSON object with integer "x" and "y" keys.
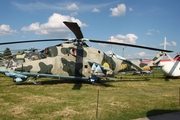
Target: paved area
{"x": 168, "y": 116}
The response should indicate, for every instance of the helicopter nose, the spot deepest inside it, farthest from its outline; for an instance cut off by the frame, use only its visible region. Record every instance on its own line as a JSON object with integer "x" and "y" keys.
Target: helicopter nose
{"x": 166, "y": 69}
{"x": 171, "y": 69}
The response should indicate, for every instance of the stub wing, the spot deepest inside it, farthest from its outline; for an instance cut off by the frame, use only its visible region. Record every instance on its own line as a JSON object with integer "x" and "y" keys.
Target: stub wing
{"x": 23, "y": 76}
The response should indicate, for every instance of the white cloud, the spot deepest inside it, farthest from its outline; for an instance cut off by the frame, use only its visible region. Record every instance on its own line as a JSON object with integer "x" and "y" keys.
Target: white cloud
{"x": 73, "y": 6}
{"x": 6, "y": 30}
{"x": 45, "y": 6}
{"x": 62, "y": 6}
{"x": 38, "y": 6}
{"x": 152, "y": 31}
{"x": 54, "y": 26}
{"x": 32, "y": 27}
{"x": 169, "y": 44}
{"x": 95, "y": 10}
{"x": 128, "y": 38}
{"x": 130, "y": 9}
{"x": 109, "y": 52}
{"x": 174, "y": 43}
{"x": 120, "y": 10}
{"x": 74, "y": 14}
{"x": 149, "y": 33}
{"x": 141, "y": 54}
{"x": 144, "y": 54}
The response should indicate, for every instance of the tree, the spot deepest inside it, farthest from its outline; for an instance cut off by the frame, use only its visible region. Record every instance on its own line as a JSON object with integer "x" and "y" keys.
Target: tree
{"x": 7, "y": 52}
{"x": 1, "y": 55}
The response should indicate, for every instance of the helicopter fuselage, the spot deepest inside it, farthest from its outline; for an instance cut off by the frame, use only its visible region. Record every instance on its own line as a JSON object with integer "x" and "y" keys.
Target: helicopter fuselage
{"x": 72, "y": 60}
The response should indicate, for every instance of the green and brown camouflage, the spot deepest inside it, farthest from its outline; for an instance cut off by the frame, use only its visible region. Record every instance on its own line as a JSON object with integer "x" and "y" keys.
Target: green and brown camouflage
{"x": 71, "y": 60}
{"x": 62, "y": 60}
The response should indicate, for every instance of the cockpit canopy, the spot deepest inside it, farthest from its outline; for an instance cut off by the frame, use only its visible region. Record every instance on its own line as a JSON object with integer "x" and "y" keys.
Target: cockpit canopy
{"x": 36, "y": 56}
{"x": 51, "y": 51}
{"x": 15, "y": 61}
{"x": 47, "y": 52}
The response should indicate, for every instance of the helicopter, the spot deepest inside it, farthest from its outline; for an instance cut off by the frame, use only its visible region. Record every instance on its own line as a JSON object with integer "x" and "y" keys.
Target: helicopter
{"x": 72, "y": 59}
{"x": 171, "y": 67}
{"x": 141, "y": 67}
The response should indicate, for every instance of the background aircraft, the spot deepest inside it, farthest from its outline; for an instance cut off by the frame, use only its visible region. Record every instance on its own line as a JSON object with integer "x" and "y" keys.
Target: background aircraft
{"x": 145, "y": 72}
{"x": 141, "y": 67}
{"x": 73, "y": 59}
{"x": 171, "y": 67}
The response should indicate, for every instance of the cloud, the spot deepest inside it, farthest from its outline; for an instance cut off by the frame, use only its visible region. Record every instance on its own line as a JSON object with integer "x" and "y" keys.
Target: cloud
{"x": 45, "y": 6}
{"x": 95, "y": 10}
{"x": 141, "y": 54}
{"x": 73, "y": 6}
{"x": 39, "y": 6}
{"x": 5, "y": 30}
{"x": 128, "y": 38}
{"x": 130, "y": 9}
{"x": 149, "y": 33}
{"x": 169, "y": 44}
{"x": 144, "y": 54}
{"x": 54, "y": 26}
{"x": 109, "y": 52}
{"x": 152, "y": 31}
{"x": 173, "y": 43}
{"x": 62, "y": 6}
{"x": 120, "y": 10}
{"x": 74, "y": 14}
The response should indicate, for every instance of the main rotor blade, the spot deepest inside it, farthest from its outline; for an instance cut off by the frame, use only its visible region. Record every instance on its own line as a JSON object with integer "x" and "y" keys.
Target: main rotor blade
{"x": 28, "y": 41}
{"x": 131, "y": 45}
{"x": 75, "y": 29}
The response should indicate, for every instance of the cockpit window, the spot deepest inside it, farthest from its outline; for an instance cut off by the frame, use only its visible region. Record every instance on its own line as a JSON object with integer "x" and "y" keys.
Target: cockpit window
{"x": 36, "y": 56}
{"x": 51, "y": 51}
{"x": 15, "y": 61}
{"x": 19, "y": 60}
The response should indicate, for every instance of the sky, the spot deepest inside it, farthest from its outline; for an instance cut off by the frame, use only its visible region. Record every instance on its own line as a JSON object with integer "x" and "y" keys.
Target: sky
{"x": 141, "y": 22}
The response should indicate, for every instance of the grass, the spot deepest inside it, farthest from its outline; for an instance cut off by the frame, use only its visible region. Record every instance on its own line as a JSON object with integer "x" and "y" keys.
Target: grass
{"x": 128, "y": 98}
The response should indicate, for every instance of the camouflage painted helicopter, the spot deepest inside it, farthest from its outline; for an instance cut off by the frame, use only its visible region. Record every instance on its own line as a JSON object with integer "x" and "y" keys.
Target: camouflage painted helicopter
{"x": 73, "y": 59}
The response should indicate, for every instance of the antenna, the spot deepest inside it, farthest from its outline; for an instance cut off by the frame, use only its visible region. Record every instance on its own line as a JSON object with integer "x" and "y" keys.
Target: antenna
{"x": 164, "y": 43}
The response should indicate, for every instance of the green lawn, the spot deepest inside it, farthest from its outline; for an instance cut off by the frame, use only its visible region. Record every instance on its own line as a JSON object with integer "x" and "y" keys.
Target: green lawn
{"x": 125, "y": 98}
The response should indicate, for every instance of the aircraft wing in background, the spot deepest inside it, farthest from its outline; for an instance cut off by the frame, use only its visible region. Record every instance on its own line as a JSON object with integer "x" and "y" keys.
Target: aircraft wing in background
{"x": 143, "y": 72}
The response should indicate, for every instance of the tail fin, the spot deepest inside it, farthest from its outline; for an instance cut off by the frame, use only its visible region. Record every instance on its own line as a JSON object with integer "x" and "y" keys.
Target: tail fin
{"x": 156, "y": 59}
